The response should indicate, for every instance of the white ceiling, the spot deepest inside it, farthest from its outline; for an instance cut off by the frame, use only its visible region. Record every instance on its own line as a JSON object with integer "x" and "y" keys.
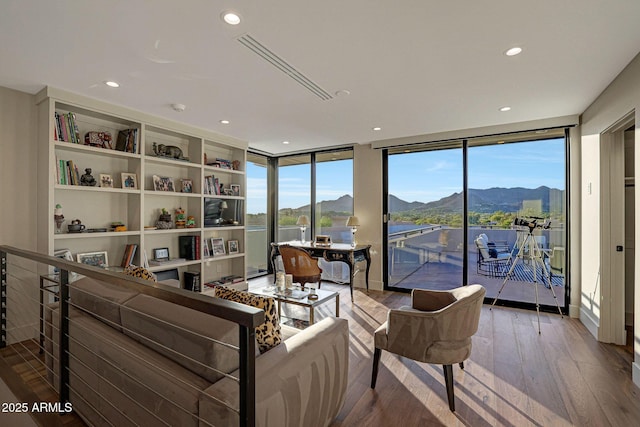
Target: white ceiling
{"x": 411, "y": 67}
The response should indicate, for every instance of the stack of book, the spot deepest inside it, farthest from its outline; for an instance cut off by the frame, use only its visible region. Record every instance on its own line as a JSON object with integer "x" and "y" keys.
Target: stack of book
{"x": 66, "y": 128}
{"x": 127, "y": 141}
{"x": 211, "y": 185}
{"x": 192, "y": 281}
{"x": 189, "y": 247}
{"x": 67, "y": 172}
{"x": 129, "y": 253}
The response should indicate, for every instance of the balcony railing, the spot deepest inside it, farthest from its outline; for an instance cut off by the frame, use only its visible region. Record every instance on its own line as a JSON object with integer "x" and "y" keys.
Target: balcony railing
{"x": 19, "y": 288}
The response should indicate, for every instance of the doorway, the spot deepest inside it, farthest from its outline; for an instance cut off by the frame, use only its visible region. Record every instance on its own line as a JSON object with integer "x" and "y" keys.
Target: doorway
{"x": 617, "y": 249}
{"x": 629, "y": 227}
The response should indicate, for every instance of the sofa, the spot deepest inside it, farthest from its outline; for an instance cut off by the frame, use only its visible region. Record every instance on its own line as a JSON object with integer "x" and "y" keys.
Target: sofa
{"x": 140, "y": 360}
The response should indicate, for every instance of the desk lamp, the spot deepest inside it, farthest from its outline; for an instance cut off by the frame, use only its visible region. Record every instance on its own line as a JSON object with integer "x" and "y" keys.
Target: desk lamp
{"x": 303, "y": 223}
{"x": 353, "y": 222}
{"x": 223, "y": 206}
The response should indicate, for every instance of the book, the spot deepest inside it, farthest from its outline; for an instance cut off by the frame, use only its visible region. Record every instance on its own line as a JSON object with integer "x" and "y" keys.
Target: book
{"x": 292, "y": 293}
{"x": 192, "y": 281}
{"x": 189, "y": 247}
{"x": 127, "y": 141}
{"x": 129, "y": 253}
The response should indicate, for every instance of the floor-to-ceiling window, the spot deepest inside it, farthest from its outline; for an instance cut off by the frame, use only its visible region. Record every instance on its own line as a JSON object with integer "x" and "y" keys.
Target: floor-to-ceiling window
{"x": 323, "y": 180}
{"x": 294, "y": 197}
{"x": 509, "y": 190}
{"x": 517, "y": 193}
{"x": 334, "y": 194}
{"x": 257, "y": 262}
{"x": 425, "y": 228}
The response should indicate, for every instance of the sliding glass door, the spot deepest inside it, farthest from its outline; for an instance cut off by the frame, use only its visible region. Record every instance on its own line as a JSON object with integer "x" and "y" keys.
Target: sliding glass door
{"x": 517, "y": 194}
{"x": 485, "y": 210}
{"x": 425, "y": 226}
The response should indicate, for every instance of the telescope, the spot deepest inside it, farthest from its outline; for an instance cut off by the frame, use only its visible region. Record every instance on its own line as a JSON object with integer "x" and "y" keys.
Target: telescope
{"x": 532, "y": 223}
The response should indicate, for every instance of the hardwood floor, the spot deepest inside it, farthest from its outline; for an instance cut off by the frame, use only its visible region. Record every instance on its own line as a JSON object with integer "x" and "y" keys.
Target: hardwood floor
{"x": 514, "y": 376}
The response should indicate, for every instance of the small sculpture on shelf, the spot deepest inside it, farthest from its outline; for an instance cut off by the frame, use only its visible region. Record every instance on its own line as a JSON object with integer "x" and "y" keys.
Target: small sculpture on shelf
{"x": 58, "y": 218}
{"x": 170, "y": 151}
{"x": 164, "y": 220}
{"x": 87, "y": 179}
{"x": 191, "y": 221}
{"x": 181, "y": 218}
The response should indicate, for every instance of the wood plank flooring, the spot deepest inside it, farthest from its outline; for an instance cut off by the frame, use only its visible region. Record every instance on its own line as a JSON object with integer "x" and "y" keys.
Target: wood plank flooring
{"x": 514, "y": 377}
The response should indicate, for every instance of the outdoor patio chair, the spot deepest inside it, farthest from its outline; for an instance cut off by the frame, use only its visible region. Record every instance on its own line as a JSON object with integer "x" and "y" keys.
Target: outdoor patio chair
{"x": 493, "y": 258}
{"x": 437, "y": 328}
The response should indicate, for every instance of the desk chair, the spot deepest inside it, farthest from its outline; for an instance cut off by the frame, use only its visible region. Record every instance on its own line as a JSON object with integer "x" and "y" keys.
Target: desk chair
{"x": 300, "y": 265}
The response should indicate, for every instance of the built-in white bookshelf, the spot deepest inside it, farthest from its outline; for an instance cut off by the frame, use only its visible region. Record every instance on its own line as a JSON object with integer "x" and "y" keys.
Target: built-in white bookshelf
{"x": 193, "y": 156}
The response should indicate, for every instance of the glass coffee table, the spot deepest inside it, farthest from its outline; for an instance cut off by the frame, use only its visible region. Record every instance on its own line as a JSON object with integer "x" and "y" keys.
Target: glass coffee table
{"x": 323, "y": 297}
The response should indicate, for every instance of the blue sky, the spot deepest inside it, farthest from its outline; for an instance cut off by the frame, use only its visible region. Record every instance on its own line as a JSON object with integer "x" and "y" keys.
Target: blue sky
{"x": 423, "y": 176}
{"x": 431, "y": 175}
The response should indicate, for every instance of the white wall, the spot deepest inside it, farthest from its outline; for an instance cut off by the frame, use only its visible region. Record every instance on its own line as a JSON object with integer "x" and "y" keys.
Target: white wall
{"x": 621, "y": 97}
{"x": 367, "y": 206}
{"x": 18, "y": 173}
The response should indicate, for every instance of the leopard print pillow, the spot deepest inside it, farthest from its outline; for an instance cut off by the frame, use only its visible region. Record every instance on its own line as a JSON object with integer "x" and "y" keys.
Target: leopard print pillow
{"x": 268, "y": 334}
{"x": 140, "y": 272}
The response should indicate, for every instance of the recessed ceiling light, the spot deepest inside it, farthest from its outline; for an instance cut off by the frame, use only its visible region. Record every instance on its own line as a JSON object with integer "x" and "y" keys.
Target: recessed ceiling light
{"x": 285, "y": 142}
{"x": 112, "y": 83}
{"x": 178, "y": 107}
{"x": 225, "y": 122}
{"x": 503, "y": 109}
{"x": 231, "y": 17}
{"x": 343, "y": 92}
{"x": 377, "y": 128}
{"x": 513, "y": 51}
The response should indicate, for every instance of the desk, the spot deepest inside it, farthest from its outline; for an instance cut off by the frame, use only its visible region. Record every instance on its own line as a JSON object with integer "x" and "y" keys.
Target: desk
{"x": 343, "y": 252}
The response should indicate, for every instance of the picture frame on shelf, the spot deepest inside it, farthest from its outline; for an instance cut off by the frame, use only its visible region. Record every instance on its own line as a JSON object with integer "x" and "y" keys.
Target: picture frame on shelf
{"x": 96, "y": 259}
{"x": 217, "y": 246}
{"x": 67, "y": 256}
{"x": 106, "y": 180}
{"x": 129, "y": 180}
{"x": 163, "y": 183}
{"x": 205, "y": 248}
{"x": 161, "y": 254}
{"x": 187, "y": 185}
{"x": 233, "y": 247}
{"x": 235, "y": 189}
{"x": 228, "y": 192}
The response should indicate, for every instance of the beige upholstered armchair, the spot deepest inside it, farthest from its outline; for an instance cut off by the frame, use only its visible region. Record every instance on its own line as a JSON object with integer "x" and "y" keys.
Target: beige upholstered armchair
{"x": 301, "y": 265}
{"x": 437, "y": 328}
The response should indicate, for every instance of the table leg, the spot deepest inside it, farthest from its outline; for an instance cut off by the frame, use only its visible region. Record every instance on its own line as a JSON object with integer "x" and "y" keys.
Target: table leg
{"x": 337, "y": 305}
{"x": 367, "y": 256}
{"x": 311, "y": 317}
{"x": 279, "y": 309}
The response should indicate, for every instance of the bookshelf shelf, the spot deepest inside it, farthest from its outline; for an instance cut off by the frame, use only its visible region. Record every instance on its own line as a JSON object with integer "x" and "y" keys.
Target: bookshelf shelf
{"x": 109, "y": 234}
{"x": 69, "y": 146}
{"x": 98, "y": 207}
{"x": 98, "y": 189}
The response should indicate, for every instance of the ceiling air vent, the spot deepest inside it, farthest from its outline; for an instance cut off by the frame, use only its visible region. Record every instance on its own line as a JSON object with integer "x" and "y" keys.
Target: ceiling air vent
{"x": 260, "y": 50}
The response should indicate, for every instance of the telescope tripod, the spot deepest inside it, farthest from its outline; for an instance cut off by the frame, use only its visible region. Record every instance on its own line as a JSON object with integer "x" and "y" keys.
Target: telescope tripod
{"x": 535, "y": 255}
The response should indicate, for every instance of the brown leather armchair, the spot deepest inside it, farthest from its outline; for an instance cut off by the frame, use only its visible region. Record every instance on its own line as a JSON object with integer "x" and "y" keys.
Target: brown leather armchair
{"x": 301, "y": 265}
{"x": 437, "y": 328}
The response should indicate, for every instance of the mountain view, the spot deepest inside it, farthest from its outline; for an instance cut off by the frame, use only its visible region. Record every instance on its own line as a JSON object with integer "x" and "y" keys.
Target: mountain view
{"x": 496, "y": 206}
